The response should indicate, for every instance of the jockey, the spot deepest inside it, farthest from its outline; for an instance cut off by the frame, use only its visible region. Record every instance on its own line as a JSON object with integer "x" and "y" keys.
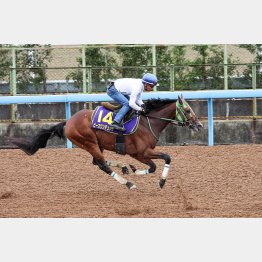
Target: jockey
{"x": 127, "y": 92}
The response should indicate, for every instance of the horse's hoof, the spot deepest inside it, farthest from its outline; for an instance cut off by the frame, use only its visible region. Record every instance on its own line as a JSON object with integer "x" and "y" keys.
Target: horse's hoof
{"x": 133, "y": 168}
{"x": 162, "y": 182}
{"x": 130, "y": 185}
{"x": 125, "y": 170}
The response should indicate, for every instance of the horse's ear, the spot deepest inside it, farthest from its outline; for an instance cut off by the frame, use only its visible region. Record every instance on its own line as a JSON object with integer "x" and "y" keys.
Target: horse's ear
{"x": 180, "y": 100}
{"x": 182, "y": 96}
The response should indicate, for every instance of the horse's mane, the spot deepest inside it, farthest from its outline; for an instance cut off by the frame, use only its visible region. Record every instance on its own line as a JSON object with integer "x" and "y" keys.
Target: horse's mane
{"x": 157, "y": 103}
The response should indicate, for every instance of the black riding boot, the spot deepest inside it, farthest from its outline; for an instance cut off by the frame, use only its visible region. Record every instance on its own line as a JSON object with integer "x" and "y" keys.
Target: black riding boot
{"x": 118, "y": 126}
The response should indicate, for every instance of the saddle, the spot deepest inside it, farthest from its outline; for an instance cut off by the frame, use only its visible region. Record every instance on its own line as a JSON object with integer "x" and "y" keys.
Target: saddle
{"x": 103, "y": 117}
{"x": 115, "y": 108}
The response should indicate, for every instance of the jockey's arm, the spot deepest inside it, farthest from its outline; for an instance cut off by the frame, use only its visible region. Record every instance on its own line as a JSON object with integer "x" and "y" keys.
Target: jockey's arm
{"x": 133, "y": 101}
{"x": 139, "y": 101}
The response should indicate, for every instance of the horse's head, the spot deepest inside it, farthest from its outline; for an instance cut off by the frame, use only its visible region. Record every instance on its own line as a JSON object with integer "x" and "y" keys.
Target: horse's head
{"x": 186, "y": 116}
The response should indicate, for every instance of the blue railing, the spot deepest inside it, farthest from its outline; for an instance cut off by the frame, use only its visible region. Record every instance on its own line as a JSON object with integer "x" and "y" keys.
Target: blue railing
{"x": 68, "y": 98}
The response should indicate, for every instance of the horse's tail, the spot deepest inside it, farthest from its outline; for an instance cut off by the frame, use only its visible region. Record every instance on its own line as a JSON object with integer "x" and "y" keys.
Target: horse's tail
{"x": 40, "y": 139}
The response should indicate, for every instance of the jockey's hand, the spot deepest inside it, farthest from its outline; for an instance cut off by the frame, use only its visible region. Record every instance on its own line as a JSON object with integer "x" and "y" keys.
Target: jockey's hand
{"x": 143, "y": 109}
{"x": 142, "y": 112}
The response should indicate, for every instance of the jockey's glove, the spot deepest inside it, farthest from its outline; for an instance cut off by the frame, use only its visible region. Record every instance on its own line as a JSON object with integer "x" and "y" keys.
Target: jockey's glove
{"x": 143, "y": 111}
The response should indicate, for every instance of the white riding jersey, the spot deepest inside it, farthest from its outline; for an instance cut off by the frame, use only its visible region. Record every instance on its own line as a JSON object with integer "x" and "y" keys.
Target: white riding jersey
{"x": 133, "y": 88}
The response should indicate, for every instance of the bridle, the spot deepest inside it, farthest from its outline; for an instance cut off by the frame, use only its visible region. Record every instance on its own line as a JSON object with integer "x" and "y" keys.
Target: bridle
{"x": 178, "y": 121}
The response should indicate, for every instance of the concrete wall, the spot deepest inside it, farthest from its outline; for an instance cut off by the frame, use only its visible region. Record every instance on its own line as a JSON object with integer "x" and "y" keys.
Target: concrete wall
{"x": 225, "y": 131}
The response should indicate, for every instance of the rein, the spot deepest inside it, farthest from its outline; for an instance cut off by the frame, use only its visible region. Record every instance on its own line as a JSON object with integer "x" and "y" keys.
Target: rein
{"x": 151, "y": 130}
{"x": 172, "y": 121}
{"x": 179, "y": 122}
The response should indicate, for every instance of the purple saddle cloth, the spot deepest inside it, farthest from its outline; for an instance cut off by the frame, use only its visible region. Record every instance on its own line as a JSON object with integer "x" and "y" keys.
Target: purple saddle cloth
{"x": 102, "y": 118}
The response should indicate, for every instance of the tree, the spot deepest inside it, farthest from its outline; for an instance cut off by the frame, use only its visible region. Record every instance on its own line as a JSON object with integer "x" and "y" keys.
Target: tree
{"x": 256, "y": 50}
{"x": 32, "y": 59}
{"x": 208, "y": 69}
{"x": 181, "y": 68}
{"x": 163, "y": 70}
{"x": 5, "y": 62}
{"x": 140, "y": 58}
{"x": 95, "y": 57}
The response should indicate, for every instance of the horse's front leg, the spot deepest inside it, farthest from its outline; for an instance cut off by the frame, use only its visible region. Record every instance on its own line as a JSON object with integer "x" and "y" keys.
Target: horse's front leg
{"x": 150, "y": 153}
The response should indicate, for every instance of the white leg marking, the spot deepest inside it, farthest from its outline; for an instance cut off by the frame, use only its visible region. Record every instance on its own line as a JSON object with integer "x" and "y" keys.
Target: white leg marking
{"x": 118, "y": 178}
{"x": 165, "y": 171}
{"x": 141, "y": 172}
{"x": 133, "y": 187}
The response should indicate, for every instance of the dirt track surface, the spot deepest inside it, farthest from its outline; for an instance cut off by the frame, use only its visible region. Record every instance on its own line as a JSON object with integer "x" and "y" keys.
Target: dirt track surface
{"x": 219, "y": 181}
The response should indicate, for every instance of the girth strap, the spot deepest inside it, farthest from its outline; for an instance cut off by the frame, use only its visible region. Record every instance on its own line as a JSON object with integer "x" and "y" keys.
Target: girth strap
{"x": 120, "y": 144}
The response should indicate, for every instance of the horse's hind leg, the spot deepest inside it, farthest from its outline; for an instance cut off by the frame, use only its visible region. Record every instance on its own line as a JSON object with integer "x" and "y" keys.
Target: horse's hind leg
{"x": 98, "y": 158}
{"x": 123, "y": 166}
{"x": 94, "y": 160}
{"x": 149, "y": 162}
{"x": 104, "y": 167}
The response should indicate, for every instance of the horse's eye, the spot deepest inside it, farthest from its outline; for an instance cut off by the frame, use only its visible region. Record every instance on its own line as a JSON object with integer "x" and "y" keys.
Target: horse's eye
{"x": 188, "y": 111}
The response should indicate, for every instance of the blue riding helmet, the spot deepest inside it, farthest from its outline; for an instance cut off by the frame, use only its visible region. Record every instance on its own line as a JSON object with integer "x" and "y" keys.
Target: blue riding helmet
{"x": 149, "y": 79}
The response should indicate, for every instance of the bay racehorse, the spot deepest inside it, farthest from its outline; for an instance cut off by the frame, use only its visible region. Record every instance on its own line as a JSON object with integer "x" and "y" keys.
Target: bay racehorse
{"x": 140, "y": 145}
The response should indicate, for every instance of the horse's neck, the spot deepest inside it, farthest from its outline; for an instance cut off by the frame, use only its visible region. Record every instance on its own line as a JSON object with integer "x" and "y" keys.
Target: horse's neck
{"x": 167, "y": 112}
